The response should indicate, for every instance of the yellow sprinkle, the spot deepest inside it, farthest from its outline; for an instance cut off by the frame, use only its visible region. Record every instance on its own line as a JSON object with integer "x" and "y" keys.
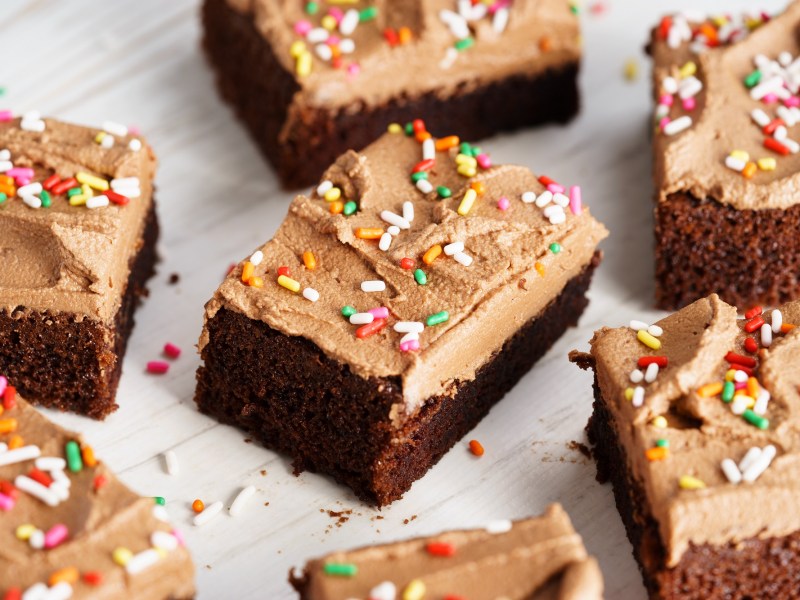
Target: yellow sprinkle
{"x": 467, "y": 201}
{"x": 333, "y": 194}
{"x": 767, "y": 164}
{"x": 687, "y": 482}
{"x": 648, "y": 340}
{"x": 629, "y": 394}
{"x": 463, "y": 159}
{"x": 289, "y": 283}
{"x": 394, "y": 128}
{"x": 161, "y": 552}
{"x": 97, "y": 183}
{"x": 328, "y": 22}
{"x": 100, "y": 137}
{"x": 78, "y": 200}
{"x": 467, "y": 171}
{"x": 256, "y": 282}
{"x": 24, "y": 532}
{"x": 303, "y": 65}
{"x": 539, "y": 268}
{"x": 122, "y": 556}
{"x": 297, "y": 48}
{"x": 660, "y": 421}
{"x": 432, "y": 254}
{"x": 687, "y": 70}
{"x": 730, "y": 374}
{"x": 741, "y": 155}
{"x": 719, "y": 20}
{"x": 631, "y": 71}
{"x": 415, "y": 590}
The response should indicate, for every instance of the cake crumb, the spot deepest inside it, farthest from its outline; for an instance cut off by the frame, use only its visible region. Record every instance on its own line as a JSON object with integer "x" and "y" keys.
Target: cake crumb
{"x": 173, "y": 279}
{"x": 580, "y": 447}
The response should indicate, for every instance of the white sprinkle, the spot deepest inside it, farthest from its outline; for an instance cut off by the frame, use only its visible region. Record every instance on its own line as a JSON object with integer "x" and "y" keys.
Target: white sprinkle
{"x": 349, "y": 22}
{"x": 385, "y": 241}
{"x": 160, "y": 513}
{"x": 32, "y": 201}
{"x": 100, "y": 201}
{"x": 780, "y": 133}
{"x": 787, "y": 115}
{"x": 762, "y": 402}
{"x": 749, "y": 458}
{"x": 561, "y": 199}
{"x": 777, "y": 321}
{"x": 5, "y": 154}
{"x": 651, "y": 373}
{"x": 766, "y": 335}
{"x": 36, "y": 489}
{"x": 375, "y": 285}
{"x": 463, "y": 258}
{"x": 655, "y": 331}
{"x": 36, "y": 541}
{"x": 636, "y": 376}
{"x": 638, "y": 396}
{"x": 34, "y": 125}
{"x": 317, "y": 35}
{"x": 637, "y": 325}
{"x": 171, "y": 462}
{"x": 241, "y": 499}
{"x": 310, "y": 294}
{"x": 163, "y": 540}
{"x": 135, "y": 145}
{"x": 758, "y": 466}
{"x": 408, "y": 326}
{"x": 60, "y": 490}
{"x": 124, "y": 182}
{"x": 735, "y": 164}
{"x": 670, "y": 85}
{"x": 544, "y": 198}
{"x": 5, "y": 165}
{"x": 408, "y": 211}
{"x": 740, "y": 376}
{"x": 107, "y": 142}
{"x": 451, "y": 249}
{"x": 500, "y": 526}
{"x": 792, "y": 145}
{"x": 32, "y": 115}
{"x": 30, "y": 190}
{"x": 771, "y": 85}
{"x": 558, "y": 218}
{"x": 760, "y": 117}
{"x": 324, "y": 51}
{"x": 19, "y": 455}
{"x": 323, "y": 187}
{"x": 424, "y": 186}
{"x": 3, "y": 447}
{"x": 144, "y": 560}
{"x": 394, "y": 219}
{"x": 51, "y": 463}
{"x": 428, "y": 149}
{"x": 347, "y": 46}
{"x": 500, "y": 20}
{"x": 678, "y": 125}
{"x": 383, "y": 591}
{"x": 393, "y": 230}
{"x": 115, "y": 128}
{"x": 528, "y": 197}
{"x": 739, "y": 404}
{"x": 689, "y": 87}
{"x": 731, "y": 471}
{"x": 552, "y": 210}
{"x": 61, "y": 478}
{"x": 662, "y": 110}
{"x": 256, "y": 257}
{"x": 450, "y": 56}
{"x": 209, "y": 512}
{"x": 361, "y": 318}
{"x": 410, "y": 336}
{"x": 785, "y": 58}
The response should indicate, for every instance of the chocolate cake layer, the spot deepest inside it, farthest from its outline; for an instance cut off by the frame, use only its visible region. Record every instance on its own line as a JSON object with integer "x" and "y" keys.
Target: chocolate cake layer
{"x": 302, "y": 138}
{"x": 335, "y": 422}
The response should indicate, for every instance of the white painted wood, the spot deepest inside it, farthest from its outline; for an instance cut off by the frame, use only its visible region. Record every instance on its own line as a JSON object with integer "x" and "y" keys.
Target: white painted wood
{"x": 138, "y": 61}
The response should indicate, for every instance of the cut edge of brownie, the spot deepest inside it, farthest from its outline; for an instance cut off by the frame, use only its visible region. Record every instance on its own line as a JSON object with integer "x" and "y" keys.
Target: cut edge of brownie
{"x": 313, "y": 417}
{"x": 238, "y": 53}
{"x": 752, "y": 568}
{"x": 74, "y": 363}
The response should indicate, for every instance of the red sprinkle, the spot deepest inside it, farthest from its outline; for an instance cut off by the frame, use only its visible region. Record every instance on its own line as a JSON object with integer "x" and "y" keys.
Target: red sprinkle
{"x": 453, "y": 597}
{"x": 545, "y": 180}
{"x": 116, "y": 198}
{"x": 440, "y": 549}
{"x": 41, "y": 477}
{"x": 157, "y": 366}
{"x": 370, "y": 328}
{"x": 776, "y": 146}
{"x": 424, "y": 165}
{"x": 664, "y": 27}
{"x": 750, "y": 345}
{"x": 754, "y": 324}
{"x": 50, "y": 182}
{"x": 408, "y": 263}
{"x": 283, "y": 271}
{"x": 418, "y": 125}
{"x": 93, "y": 577}
{"x": 10, "y": 397}
{"x": 738, "y": 359}
{"x": 391, "y": 36}
{"x": 172, "y": 350}
{"x": 753, "y": 312}
{"x": 61, "y": 188}
{"x": 99, "y": 482}
{"x": 13, "y": 593}
{"x": 7, "y": 488}
{"x": 770, "y": 127}
{"x": 661, "y": 361}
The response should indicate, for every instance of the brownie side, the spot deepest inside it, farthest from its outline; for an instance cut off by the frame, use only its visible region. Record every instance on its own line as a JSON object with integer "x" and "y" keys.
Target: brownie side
{"x": 288, "y": 394}
{"x": 753, "y": 568}
{"x": 74, "y": 363}
{"x": 251, "y": 78}
{"x": 748, "y": 257}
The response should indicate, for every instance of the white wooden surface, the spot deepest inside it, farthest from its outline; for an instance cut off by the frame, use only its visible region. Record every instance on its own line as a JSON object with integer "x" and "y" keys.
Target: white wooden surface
{"x": 138, "y": 61}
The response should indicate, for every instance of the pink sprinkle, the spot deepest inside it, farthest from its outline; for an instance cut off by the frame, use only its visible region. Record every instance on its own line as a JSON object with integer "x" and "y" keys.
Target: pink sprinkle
{"x": 22, "y": 181}
{"x": 20, "y": 172}
{"x": 575, "y": 200}
{"x": 3, "y": 384}
{"x": 689, "y": 103}
{"x": 302, "y": 27}
{"x": 134, "y": 130}
{"x": 172, "y": 350}
{"x": 792, "y": 101}
{"x": 179, "y": 536}
{"x": 379, "y": 312}
{"x": 769, "y": 98}
{"x": 664, "y": 122}
{"x": 333, "y": 40}
{"x": 498, "y": 5}
{"x": 6, "y": 502}
{"x": 740, "y": 385}
{"x": 555, "y": 188}
{"x": 410, "y": 346}
{"x": 6, "y": 115}
{"x": 353, "y": 69}
{"x": 484, "y": 161}
{"x": 55, "y": 535}
{"x": 666, "y": 99}
{"x": 503, "y": 203}
{"x": 336, "y": 13}
{"x": 157, "y": 366}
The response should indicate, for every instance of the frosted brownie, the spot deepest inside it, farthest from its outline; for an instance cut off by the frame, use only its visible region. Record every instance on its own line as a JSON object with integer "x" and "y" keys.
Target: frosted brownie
{"x": 532, "y": 559}
{"x": 78, "y": 240}
{"x": 311, "y": 80}
{"x": 695, "y": 423}
{"x": 396, "y": 304}
{"x": 69, "y": 528}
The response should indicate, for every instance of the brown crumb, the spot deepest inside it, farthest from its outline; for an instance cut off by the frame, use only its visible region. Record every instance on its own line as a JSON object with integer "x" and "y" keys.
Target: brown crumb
{"x": 174, "y": 278}
{"x": 266, "y": 503}
{"x": 580, "y": 447}
{"x": 248, "y": 440}
{"x": 208, "y": 567}
{"x": 342, "y": 516}
{"x": 263, "y": 472}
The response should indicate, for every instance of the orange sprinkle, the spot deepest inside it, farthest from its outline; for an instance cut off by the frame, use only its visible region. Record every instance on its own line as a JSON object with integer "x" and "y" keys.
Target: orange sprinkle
{"x": 787, "y": 327}
{"x": 87, "y": 453}
{"x": 545, "y": 43}
{"x": 309, "y": 260}
{"x": 432, "y": 254}
{"x": 6, "y": 180}
{"x": 9, "y": 425}
{"x": 256, "y": 282}
{"x": 753, "y": 389}
{"x": 99, "y": 482}
{"x": 476, "y": 448}
{"x": 404, "y": 35}
{"x": 198, "y": 506}
{"x": 740, "y": 392}
{"x": 445, "y": 143}
{"x": 749, "y": 170}
{"x": 657, "y": 453}
{"x": 93, "y": 577}
{"x": 65, "y": 575}
{"x": 539, "y": 268}
{"x": 336, "y": 208}
{"x": 421, "y": 136}
{"x": 710, "y": 389}
{"x": 15, "y": 442}
{"x": 479, "y": 187}
{"x": 369, "y": 233}
{"x": 1, "y": 409}
{"x": 709, "y": 33}
{"x": 248, "y": 270}
{"x": 8, "y": 190}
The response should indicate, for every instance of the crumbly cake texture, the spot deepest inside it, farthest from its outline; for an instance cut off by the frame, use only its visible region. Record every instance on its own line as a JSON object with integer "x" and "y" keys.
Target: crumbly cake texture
{"x": 333, "y": 76}
{"x": 695, "y": 423}
{"x": 537, "y": 558}
{"x": 70, "y": 528}
{"x": 726, "y": 158}
{"x": 78, "y": 245}
{"x": 383, "y": 321}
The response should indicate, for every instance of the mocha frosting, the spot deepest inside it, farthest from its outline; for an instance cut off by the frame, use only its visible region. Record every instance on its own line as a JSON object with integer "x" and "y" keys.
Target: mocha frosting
{"x": 540, "y": 35}
{"x": 514, "y": 275}
{"x": 702, "y": 429}
{"x": 70, "y": 259}
{"x": 536, "y": 558}
{"x": 693, "y": 161}
{"x": 99, "y": 518}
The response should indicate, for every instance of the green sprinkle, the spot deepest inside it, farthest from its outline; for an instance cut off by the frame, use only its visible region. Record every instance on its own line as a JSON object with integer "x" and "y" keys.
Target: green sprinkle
{"x": 341, "y": 569}
{"x": 756, "y": 419}
{"x": 348, "y": 311}
{"x": 367, "y": 14}
{"x": 555, "y": 248}
{"x": 464, "y": 44}
{"x": 476, "y": 150}
{"x": 752, "y": 79}
{"x": 74, "y": 460}
{"x": 420, "y": 277}
{"x": 437, "y": 318}
{"x": 466, "y": 148}
{"x": 574, "y": 9}
{"x": 312, "y": 8}
{"x": 74, "y": 192}
{"x": 350, "y": 208}
{"x": 662, "y": 443}
{"x": 45, "y": 198}
{"x": 415, "y": 177}
{"x": 728, "y": 390}
{"x": 3, "y": 197}
{"x": 444, "y": 192}
{"x": 159, "y": 500}
{"x": 409, "y": 128}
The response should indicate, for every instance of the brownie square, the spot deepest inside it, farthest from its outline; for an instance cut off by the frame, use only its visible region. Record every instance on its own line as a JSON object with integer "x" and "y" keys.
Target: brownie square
{"x": 70, "y": 528}
{"x": 539, "y": 557}
{"x": 726, "y": 206}
{"x": 516, "y": 67}
{"x": 701, "y": 450}
{"x": 469, "y": 284}
{"x": 78, "y": 245}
